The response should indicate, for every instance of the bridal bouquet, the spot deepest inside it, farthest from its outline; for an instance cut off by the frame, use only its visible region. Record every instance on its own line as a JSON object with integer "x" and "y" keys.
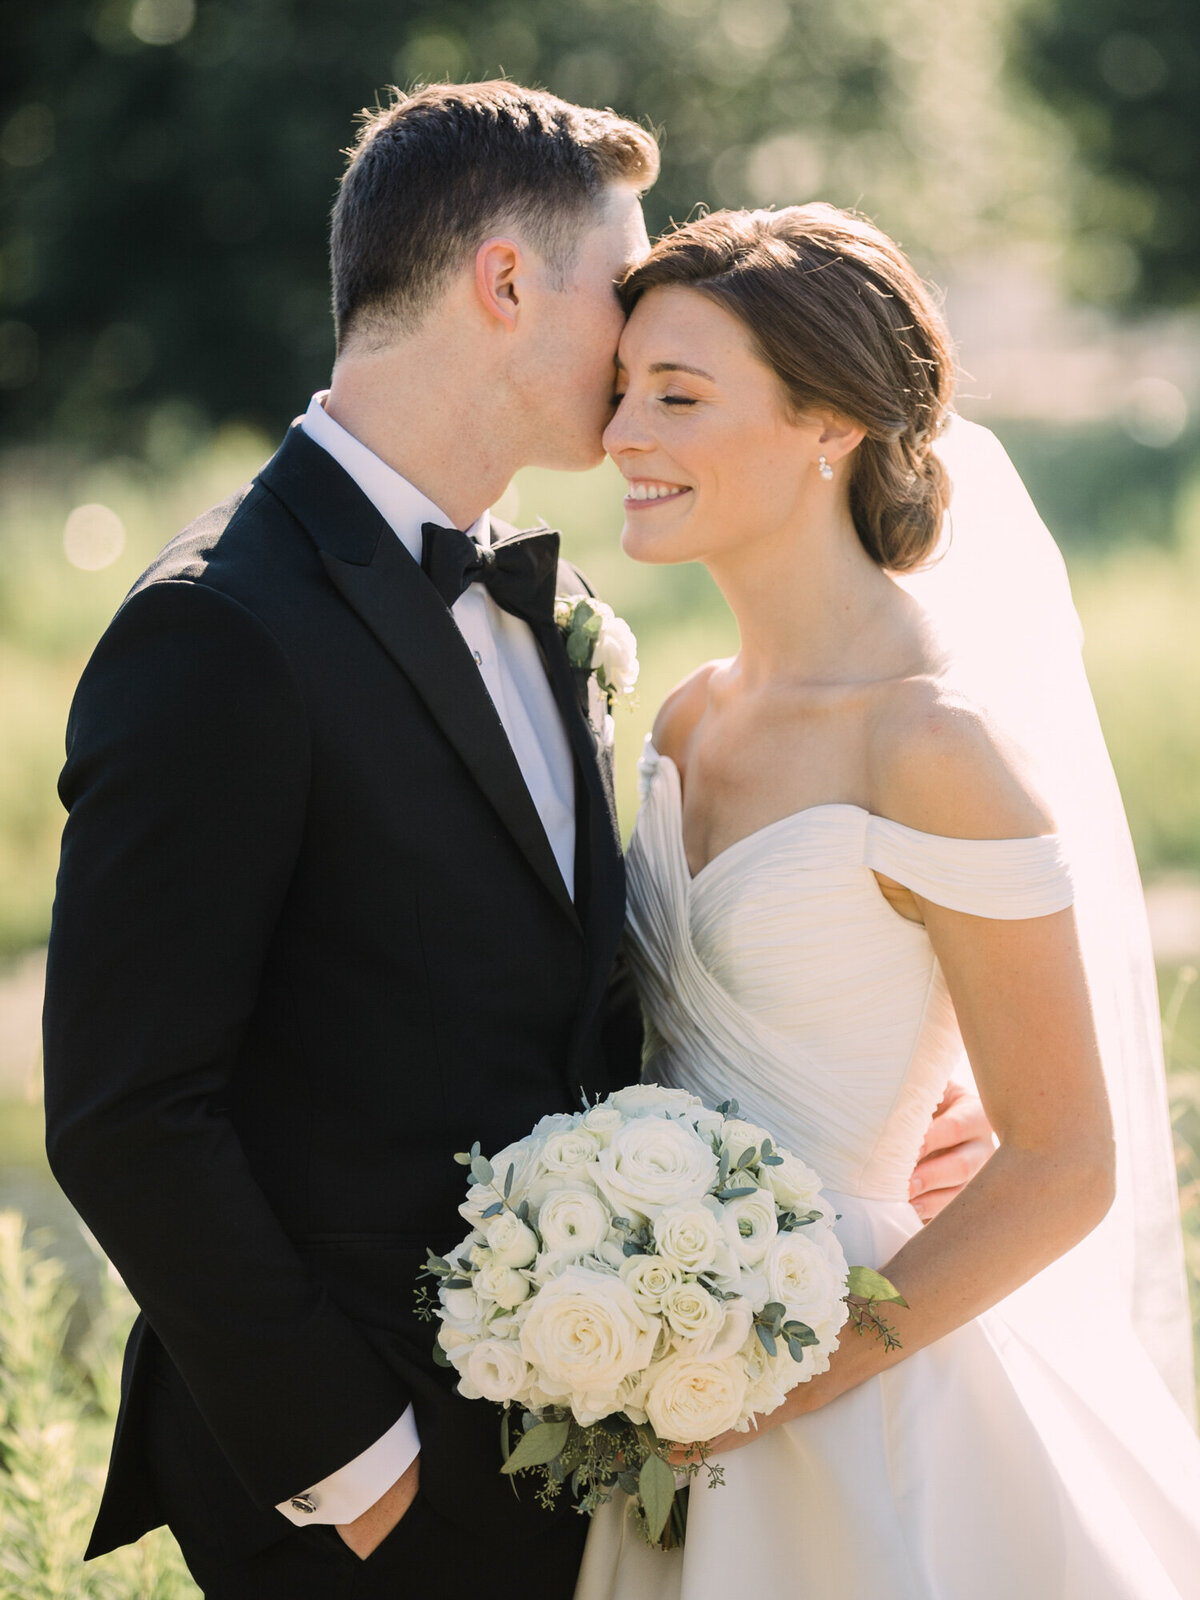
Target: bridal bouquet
{"x": 646, "y": 1272}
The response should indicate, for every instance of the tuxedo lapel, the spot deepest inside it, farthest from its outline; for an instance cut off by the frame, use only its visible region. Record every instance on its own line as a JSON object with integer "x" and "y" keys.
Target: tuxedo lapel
{"x": 381, "y": 582}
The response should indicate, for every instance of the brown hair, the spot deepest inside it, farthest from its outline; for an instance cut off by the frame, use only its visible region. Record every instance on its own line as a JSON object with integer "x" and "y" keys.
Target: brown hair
{"x": 434, "y": 171}
{"x": 845, "y": 322}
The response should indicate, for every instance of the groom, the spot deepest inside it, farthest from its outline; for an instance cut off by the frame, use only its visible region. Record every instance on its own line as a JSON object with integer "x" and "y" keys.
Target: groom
{"x": 341, "y": 888}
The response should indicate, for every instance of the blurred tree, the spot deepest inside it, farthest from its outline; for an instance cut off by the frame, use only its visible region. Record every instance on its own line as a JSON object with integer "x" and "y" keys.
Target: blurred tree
{"x": 168, "y": 165}
{"x": 1126, "y": 76}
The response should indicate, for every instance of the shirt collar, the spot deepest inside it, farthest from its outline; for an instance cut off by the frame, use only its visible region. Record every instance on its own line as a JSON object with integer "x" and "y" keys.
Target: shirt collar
{"x": 401, "y": 504}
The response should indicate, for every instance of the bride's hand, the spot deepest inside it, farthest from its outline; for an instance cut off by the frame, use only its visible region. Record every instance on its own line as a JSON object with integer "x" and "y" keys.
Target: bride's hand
{"x": 958, "y": 1143}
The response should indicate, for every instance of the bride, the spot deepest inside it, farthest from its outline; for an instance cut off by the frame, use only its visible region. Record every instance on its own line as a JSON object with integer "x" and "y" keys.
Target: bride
{"x": 885, "y": 830}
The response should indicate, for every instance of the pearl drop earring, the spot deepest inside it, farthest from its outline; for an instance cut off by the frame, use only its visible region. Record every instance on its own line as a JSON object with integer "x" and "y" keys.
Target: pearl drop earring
{"x": 824, "y": 468}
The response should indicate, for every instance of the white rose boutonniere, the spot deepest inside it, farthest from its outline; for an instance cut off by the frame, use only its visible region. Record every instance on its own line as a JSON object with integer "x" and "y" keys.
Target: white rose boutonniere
{"x": 599, "y": 643}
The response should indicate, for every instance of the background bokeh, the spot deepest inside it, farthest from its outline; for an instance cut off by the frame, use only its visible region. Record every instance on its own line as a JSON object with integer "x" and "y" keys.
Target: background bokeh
{"x": 166, "y": 173}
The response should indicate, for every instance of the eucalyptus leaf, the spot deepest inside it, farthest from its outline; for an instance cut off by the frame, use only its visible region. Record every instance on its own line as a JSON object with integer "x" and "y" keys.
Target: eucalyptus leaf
{"x": 656, "y": 1490}
{"x": 872, "y": 1285}
{"x": 541, "y": 1445}
{"x": 736, "y": 1194}
{"x": 774, "y": 1312}
{"x": 800, "y": 1333}
{"x": 493, "y": 1210}
{"x": 508, "y": 1178}
{"x": 463, "y": 1158}
{"x": 456, "y": 1283}
{"x": 766, "y": 1338}
{"x": 440, "y": 1358}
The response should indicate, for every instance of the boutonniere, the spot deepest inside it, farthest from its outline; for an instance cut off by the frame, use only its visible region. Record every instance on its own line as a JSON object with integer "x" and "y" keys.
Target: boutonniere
{"x": 600, "y": 644}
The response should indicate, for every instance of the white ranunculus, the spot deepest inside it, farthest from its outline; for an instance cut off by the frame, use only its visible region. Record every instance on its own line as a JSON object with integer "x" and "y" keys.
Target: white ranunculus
{"x": 573, "y": 1220}
{"x": 753, "y": 1216}
{"x": 602, "y": 1122}
{"x": 494, "y": 1370}
{"x": 732, "y": 1334}
{"x": 512, "y": 1242}
{"x": 614, "y": 656}
{"x": 693, "y": 1313}
{"x": 803, "y": 1278}
{"x": 525, "y": 1159}
{"x": 692, "y": 1398}
{"x": 585, "y": 1334}
{"x": 504, "y": 1286}
{"x": 768, "y": 1378}
{"x": 795, "y": 1185}
{"x": 654, "y": 1162}
{"x": 649, "y": 1278}
{"x": 692, "y": 1234}
{"x": 649, "y": 1099}
{"x": 569, "y": 1150}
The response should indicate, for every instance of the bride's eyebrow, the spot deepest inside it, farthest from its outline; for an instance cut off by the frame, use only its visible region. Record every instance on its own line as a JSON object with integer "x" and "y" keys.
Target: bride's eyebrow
{"x": 680, "y": 366}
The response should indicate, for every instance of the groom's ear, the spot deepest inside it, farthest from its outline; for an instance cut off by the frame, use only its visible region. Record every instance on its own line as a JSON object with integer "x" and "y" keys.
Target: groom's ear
{"x": 499, "y": 277}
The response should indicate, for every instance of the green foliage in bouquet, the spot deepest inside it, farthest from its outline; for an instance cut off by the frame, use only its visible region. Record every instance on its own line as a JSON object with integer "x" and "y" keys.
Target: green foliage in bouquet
{"x": 577, "y": 1432}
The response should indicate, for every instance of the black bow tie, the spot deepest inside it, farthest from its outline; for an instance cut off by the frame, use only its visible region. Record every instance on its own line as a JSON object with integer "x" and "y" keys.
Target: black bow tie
{"x": 520, "y": 572}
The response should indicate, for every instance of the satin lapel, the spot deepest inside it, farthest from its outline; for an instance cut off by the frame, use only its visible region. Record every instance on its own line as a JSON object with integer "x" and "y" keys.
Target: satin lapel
{"x": 603, "y": 900}
{"x": 381, "y": 582}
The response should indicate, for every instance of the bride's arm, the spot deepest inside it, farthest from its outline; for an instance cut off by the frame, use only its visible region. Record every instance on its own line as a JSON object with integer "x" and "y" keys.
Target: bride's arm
{"x": 1022, "y": 1002}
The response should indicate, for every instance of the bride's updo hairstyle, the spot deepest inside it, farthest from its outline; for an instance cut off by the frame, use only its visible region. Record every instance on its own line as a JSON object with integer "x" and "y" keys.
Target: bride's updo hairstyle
{"x": 842, "y": 318}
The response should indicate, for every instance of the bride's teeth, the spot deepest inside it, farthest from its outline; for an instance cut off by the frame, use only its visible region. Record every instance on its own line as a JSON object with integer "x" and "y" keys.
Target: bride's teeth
{"x": 652, "y": 491}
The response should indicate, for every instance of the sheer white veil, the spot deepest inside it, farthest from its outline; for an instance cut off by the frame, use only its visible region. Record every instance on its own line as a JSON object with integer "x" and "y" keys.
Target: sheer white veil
{"x": 1000, "y": 598}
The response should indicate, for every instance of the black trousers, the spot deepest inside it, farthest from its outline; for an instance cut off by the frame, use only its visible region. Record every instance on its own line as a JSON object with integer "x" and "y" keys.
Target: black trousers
{"x": 425, "y": 1556}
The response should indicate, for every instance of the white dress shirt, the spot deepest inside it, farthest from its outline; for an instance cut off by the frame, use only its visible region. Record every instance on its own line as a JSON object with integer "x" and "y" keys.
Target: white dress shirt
{"x": 511, "y": 668}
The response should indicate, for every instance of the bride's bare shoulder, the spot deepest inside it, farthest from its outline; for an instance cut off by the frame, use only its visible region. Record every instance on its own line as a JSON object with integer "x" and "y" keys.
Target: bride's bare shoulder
{"x": 681, "y": 711}
{"x": 940, "y": 764}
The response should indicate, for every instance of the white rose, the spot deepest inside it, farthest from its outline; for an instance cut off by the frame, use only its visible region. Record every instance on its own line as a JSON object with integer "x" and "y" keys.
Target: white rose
{"x": 614, "y": 657}
{"x": 692, "y": 1235}
{"x": 648, "y": 1099}
{"x": 602, "y": 1122}
{"x": 738, "y": 1136}
{"x": 503, "y": 1285}
{"x": 585, "y": 1334}
{"x": 494, "y": 1370}
{"x": 566, "y": 1151}
{"x": 708, "y": 1124}
{"x": 654, "y": 1162}
{"x": 649, "y": 1278}
{"x": 692, "y": 1398}
{"x": 795, "y": 1185}
{"x": 753, "y": 1215}
{"x": 463, "y": 1305}
{"x": 512, "y": 1242}
{"x": 457, "y": 1342}
{"x": 693, "y": 1313}
{"x": 803, "y": 1278}
{"x": 573, "y": 1220}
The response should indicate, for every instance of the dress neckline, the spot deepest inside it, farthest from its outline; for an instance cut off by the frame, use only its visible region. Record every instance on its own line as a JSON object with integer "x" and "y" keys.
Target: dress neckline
{"x": 692, "y": 878}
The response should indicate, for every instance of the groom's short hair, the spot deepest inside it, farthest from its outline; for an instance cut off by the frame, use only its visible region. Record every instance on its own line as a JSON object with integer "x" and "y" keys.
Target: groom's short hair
{"x": 434, "y": 171}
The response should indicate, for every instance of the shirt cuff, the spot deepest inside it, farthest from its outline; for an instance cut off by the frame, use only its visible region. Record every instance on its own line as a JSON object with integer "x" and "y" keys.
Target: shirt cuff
{"x": 354, "y": 1488}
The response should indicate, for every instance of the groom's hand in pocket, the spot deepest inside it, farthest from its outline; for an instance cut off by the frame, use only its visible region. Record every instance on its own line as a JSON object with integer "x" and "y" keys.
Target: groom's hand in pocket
{"x": 958, "y": 1143}
{"x": 366, "y": 1533}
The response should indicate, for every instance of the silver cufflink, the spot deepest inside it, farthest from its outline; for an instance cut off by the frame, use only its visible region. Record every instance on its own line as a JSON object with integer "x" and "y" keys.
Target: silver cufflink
{"x": 305, "y": 1503}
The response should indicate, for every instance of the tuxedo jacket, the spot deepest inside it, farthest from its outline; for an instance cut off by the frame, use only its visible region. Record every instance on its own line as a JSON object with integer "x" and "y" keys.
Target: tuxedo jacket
{"x": 309, "y": 940}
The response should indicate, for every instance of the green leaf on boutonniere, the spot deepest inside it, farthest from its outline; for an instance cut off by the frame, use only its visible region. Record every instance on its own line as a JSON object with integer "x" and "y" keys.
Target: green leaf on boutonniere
{"x": 656, "y": 1490}
{"x": 540, "y": 1445}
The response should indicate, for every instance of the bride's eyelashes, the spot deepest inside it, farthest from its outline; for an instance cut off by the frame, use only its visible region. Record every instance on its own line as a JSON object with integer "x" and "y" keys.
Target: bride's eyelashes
{"x": 664, "y": 399}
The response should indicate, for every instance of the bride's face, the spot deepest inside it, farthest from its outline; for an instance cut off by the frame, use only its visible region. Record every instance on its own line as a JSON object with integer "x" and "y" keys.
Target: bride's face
{"x": 712, "y": 456}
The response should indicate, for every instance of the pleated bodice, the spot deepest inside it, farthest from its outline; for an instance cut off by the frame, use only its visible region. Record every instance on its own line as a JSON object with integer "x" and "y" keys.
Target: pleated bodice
{"x": 781, "y": 977}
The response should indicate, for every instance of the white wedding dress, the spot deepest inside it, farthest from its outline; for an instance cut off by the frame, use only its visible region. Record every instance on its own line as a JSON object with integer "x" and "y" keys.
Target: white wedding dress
{"x": 991, "y": 1465}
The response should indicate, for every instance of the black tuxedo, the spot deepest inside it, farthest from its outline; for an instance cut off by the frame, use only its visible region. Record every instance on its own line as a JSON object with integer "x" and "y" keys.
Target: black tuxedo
{"x": 309, "y": 940}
